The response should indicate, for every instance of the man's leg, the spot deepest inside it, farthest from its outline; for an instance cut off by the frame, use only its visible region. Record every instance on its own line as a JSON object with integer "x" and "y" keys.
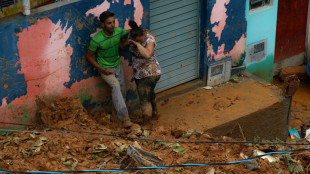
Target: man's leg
{"x": 117, "y": 97}
{"x": 119, "y": 74}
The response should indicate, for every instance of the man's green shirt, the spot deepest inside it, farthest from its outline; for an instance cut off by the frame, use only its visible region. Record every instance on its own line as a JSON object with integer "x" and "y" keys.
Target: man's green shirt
{"x": 106, "y": 47}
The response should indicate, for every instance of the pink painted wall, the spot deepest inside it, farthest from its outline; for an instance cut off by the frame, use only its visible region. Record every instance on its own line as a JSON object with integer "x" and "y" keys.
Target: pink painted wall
{"x": 226, "y": 31}
{"x": 49, "y": 58}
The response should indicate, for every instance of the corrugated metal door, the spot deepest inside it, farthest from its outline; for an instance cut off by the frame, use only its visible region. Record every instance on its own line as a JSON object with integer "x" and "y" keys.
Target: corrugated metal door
{"x": 175, "y": 25}
{"x": 291, "y": 28}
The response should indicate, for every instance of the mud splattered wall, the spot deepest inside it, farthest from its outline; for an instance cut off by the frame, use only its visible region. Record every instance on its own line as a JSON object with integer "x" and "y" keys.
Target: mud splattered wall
{"x": 262, "y": 26}
{"x": 226, "y": 31}
{"x": 42, "y": 55}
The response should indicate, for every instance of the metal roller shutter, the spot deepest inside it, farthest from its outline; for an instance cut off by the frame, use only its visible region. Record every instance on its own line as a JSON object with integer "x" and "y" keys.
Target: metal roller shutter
{"x": 175, "y": 24}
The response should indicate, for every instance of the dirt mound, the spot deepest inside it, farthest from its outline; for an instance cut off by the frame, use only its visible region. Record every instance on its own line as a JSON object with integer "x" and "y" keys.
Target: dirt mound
{"x": 69, "y": 113}
{"x": 55, "y": 152}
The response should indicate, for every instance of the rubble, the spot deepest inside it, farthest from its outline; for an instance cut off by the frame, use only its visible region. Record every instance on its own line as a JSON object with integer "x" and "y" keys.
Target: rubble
{"x": 53, "y": 152}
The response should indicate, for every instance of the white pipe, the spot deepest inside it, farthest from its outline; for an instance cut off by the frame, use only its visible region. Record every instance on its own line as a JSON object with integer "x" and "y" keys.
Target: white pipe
{"x": 26, "y": 7}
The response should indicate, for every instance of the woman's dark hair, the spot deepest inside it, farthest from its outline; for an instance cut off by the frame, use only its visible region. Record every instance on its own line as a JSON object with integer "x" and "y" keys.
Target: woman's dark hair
{"x": 135, "y": 30}
{"x": 105, "y": 15}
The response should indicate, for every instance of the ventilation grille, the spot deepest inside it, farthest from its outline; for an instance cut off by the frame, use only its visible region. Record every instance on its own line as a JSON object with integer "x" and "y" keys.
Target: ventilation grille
{"x": 259, "y": 3}
{"x": 219, "y": 72}
{"x": 257, "y": 52}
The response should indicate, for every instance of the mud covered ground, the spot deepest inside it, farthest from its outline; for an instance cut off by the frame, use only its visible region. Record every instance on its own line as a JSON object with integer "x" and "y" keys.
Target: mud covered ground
{"x": 300, "y": 111}
{"x": 88, "y": 149}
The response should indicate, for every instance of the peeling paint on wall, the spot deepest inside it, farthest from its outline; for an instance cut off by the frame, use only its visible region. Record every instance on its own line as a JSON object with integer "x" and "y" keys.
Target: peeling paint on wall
{"x": 44, "y": 57}
{"x": 225, "y": 38}
{"x": 218, "y": 17}
{"x": 99, "y": 9}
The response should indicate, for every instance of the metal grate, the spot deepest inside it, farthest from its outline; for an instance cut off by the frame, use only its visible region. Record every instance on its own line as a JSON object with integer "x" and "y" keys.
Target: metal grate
{"x": 259, "y": 3}
{"x": 5, "y": 3}
{"x": 257, "y": 51}
{"x": 219, "y": 72}
{"x": 175, "y": 24}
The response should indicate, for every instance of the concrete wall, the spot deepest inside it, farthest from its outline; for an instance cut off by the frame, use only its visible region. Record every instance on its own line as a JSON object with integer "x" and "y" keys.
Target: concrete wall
{"x": 225, "y": 31}
{"x": 42, "y": 55}
{"x": 261, "y": 26}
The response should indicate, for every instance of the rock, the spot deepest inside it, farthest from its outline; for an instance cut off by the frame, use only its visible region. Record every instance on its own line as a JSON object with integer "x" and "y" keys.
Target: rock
{"x": 252, "y": 165}
{"x": 211, "y": 171}
{"x": 300, "y": 71}
{"x": 177, "y": 133}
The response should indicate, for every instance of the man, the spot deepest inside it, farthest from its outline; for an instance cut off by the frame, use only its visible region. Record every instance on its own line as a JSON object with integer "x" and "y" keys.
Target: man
{"x": 103, "y": 54}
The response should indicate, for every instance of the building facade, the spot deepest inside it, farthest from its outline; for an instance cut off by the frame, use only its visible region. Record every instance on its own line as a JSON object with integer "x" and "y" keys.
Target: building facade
{"x": 43, "y": 55}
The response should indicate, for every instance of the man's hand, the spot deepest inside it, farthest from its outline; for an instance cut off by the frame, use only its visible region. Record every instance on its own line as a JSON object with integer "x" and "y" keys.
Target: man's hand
{"x": 107, "y": 71}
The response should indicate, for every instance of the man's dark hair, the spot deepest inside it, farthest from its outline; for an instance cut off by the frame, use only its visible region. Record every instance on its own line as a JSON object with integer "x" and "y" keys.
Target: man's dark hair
{"x": 105, "y": 15}
{"x": 135, "y": 30}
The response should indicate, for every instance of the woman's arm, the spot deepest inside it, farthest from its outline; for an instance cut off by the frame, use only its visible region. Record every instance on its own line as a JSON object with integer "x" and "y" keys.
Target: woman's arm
{"x": 147, "y": 51}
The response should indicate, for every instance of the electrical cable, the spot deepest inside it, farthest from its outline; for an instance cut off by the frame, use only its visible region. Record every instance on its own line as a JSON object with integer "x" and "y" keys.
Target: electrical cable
{"x": 160, "y": 167}
{"x": 155, "y": 139}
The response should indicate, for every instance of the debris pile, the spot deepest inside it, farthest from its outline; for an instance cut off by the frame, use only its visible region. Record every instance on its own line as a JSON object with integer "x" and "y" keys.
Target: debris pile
{"x": 52, "y": 151}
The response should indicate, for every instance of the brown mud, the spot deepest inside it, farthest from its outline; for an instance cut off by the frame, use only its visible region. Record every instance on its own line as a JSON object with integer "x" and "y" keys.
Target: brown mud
{"x": 56, "y": 152}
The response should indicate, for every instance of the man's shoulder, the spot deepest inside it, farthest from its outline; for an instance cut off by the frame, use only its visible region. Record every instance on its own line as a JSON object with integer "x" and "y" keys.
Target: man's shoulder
{"x": 118, "y": 30}
{"x": 98, "y": 37}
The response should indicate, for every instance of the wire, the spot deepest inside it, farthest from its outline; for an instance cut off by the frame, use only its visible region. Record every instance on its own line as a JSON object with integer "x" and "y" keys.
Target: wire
{"x": 160, "y": 167}
{"x": 155, "y": 139}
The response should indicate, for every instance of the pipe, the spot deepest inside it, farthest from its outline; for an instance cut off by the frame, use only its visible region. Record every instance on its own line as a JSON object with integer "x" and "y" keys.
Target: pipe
{"x": 26, "y": 7}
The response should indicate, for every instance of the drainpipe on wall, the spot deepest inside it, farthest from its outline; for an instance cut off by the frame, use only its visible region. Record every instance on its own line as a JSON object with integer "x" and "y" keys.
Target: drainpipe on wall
{"x": 26, "y": 7}
{"x": 307, "y": 50}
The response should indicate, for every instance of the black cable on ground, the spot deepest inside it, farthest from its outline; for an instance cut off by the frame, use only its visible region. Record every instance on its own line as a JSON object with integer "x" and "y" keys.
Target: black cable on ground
{"x": 157, "y": 139}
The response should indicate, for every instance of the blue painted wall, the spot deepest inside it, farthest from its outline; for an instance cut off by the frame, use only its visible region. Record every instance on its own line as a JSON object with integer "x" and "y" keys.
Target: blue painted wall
{"x": 261, "y": 26}
{"x": 230, "y": 42}
{"x": 15, "y": 97}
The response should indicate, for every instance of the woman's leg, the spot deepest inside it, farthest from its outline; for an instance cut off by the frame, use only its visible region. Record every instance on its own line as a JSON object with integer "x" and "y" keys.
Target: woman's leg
{"x": 153, "y": 97}
{"x": 144, "y": 92}
{"x": 147, "y": 96}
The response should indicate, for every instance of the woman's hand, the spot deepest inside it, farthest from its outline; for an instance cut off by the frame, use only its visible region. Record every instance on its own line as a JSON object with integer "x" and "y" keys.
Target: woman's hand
{"x": 134, "y": 42}
{"x": 147, "y": 51}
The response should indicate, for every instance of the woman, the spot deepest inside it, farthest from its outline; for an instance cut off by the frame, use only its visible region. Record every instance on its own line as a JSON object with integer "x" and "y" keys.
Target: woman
{"x": 145, "y": 67}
